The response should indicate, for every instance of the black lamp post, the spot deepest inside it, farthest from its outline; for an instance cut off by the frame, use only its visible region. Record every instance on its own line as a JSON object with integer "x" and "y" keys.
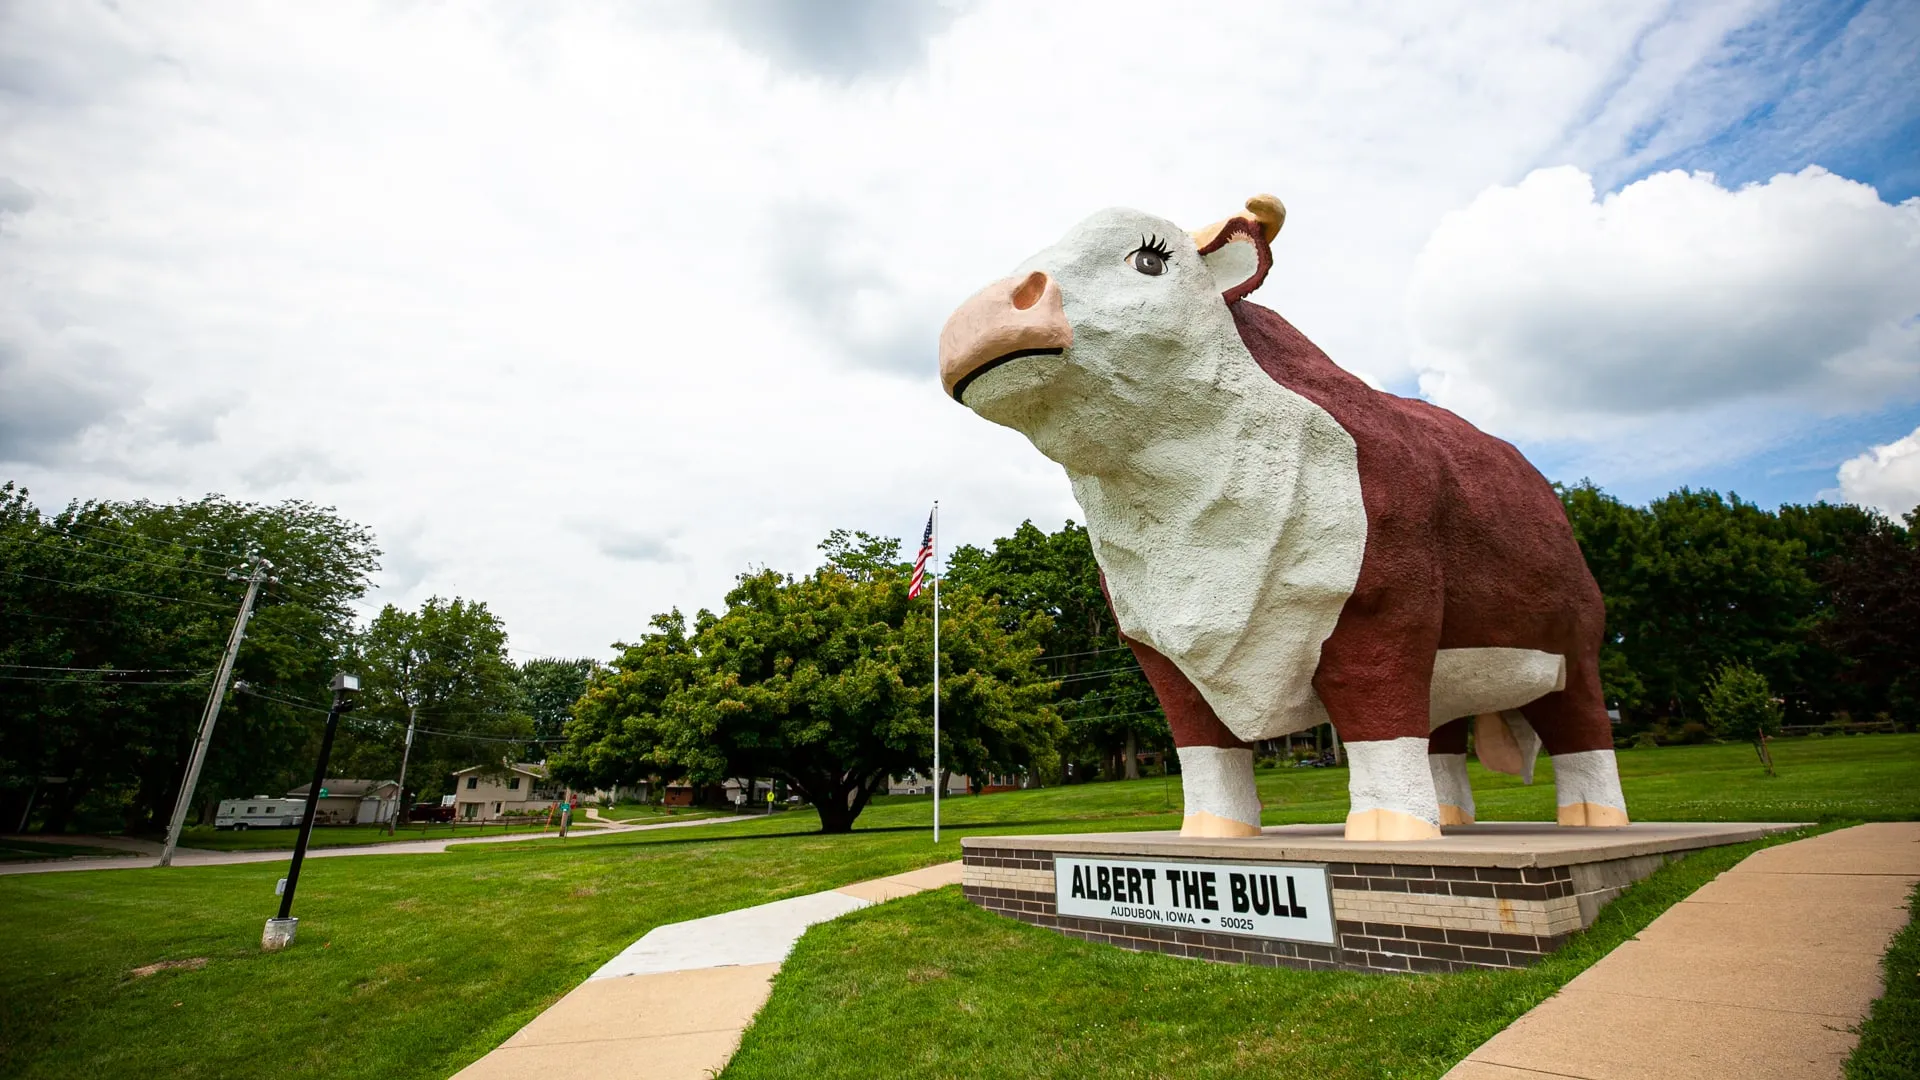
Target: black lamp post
{"x": 279, "y": 931}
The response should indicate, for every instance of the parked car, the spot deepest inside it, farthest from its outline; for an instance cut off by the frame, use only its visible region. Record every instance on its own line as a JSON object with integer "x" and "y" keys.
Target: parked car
{"x": 259, "y": 812}
{"x": 430, "y": 811}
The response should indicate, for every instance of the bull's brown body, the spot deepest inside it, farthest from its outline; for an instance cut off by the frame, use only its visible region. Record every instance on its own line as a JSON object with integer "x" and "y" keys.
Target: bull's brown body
{"x": 1467, "y": 547}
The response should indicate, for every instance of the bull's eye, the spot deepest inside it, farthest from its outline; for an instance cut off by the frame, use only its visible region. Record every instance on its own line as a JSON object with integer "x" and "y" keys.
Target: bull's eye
{"x": 1150, "y": 258}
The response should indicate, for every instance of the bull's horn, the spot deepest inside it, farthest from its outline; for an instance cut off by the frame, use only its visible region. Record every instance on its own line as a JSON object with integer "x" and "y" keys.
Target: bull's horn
{"x": 1263, "y": 210}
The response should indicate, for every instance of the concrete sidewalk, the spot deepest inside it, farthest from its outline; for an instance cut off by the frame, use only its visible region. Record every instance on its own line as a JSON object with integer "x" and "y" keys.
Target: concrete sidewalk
{"x": 146, "y": 852}
{"x": 672, "y": 1005}
{"x": 1757, "y": 976}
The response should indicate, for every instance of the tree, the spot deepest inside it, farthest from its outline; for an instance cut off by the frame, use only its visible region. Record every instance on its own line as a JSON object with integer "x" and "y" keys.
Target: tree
{"x": 1740, "y": 705}
{"x": 1874, "y": 623}
{"x": 445, "y": 667}
{"x": 548, "y": 689}
{"x": 823, "y": 682}
{"x": 1109, "y": 709}
{"x": 138, "y": 597}
{"x": 1691, "y": 582}
{"x": 613, "y": 736}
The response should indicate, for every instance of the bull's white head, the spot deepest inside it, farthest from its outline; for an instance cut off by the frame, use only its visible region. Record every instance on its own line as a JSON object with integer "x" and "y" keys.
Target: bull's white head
{"x": 1094, "y": 346}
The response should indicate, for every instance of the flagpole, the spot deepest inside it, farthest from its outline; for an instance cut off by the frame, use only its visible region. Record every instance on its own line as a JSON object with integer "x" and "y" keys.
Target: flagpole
{"x": 937, "y": 782}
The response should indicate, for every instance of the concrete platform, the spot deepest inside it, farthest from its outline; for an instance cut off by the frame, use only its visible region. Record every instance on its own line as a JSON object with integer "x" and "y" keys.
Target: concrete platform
{"x": 1494, "y": 895}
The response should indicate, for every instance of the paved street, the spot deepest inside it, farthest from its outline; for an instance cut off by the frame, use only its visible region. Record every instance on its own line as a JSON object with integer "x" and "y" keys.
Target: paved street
{"x": 145, "y": 854}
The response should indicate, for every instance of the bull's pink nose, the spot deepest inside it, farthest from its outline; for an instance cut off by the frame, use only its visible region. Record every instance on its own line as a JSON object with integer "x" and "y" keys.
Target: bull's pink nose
{"x": 1018, "y": 316}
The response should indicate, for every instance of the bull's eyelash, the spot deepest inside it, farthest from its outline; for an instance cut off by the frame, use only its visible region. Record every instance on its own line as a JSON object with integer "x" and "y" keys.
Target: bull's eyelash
{"x": 1157, "y": 246}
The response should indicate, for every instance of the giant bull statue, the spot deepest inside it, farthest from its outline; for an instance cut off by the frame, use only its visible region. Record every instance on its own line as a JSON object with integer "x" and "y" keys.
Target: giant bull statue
{"x": 1285, "y": 546}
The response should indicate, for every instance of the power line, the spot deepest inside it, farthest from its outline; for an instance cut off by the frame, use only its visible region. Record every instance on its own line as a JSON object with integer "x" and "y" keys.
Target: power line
{"x": 295, "y": 594}
{"x": 222, "y": 555}
{"x": 485, "y": 738}
{"x": 109, "y": 671}
{"x": 60, "y": 618}
{"x": 1090, "y": 652}
{"x": 1131, "y": 693}
{"x": 1118, "y": 715}
{"x": 279, "y": 628}
{"x": 119, "y": 558}
{"x": 247, "y": 689}
{"x": 62, "y": 529}
{"x": 123, "y": 592}
{"x": 96, "y": 682}
{"x": 1087, "y": 675}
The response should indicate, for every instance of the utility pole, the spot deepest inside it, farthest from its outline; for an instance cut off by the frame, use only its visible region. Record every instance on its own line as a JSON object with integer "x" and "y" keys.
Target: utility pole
{"x": 219, "y": 693}
{"x": 400, "y": 797}
{"x": 279, "y": 931}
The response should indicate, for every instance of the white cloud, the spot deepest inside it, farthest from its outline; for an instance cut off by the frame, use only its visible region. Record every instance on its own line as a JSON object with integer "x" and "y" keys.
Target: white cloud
{"x": 477, "y": 274}
{"x": 1886, "y": 478}
{"x": 1543, "y": 310}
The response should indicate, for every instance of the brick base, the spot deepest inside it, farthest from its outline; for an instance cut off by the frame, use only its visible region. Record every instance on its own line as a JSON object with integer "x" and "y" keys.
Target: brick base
{"x": 1388, "y": 917}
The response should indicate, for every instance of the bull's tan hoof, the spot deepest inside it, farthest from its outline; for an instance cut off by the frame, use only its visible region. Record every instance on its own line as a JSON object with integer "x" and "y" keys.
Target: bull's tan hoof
{"x": 1592, "y": 815}
{"x": 1201, "y": 823}
{"x": 1390, "y": 825}
{"x": 1454, "y": 815}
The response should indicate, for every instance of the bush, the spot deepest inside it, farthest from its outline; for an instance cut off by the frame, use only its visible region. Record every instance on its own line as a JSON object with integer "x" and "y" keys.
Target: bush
{"x": 1740, "y": 705}
{"x": 1645, "y": 741}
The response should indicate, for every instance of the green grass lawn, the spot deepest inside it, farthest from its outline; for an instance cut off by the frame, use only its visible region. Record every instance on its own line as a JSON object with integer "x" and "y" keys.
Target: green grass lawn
{"x": 207, "y": 838}
{"x": 1890, "y": 1038}
{"x": 34, "y": 850}
{"x": 411, "y": 967}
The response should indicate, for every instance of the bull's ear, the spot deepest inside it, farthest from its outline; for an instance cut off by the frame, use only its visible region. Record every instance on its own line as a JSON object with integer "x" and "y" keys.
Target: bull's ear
{"x": 1238, "y": 250}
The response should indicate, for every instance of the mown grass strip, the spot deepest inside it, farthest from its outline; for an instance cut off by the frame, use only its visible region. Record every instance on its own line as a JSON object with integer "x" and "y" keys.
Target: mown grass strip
{"x": 1890, "y": 1036}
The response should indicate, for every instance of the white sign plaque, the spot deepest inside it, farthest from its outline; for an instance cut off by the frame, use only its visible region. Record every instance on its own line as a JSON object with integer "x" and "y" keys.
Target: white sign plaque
{"x": 1288, "y": 901}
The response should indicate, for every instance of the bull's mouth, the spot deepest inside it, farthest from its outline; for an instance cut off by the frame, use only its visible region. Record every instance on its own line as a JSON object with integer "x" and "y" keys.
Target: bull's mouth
{"x": 960, "y": 388}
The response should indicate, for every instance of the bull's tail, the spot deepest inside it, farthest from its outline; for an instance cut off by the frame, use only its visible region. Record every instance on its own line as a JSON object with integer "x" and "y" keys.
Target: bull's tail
{"x": 1506, "y": 743}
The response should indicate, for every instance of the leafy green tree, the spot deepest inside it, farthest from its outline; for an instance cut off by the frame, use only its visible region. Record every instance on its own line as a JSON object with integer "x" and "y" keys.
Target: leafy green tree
{"x": 143, "y": 589}
{"x": 1740, "y": 705}
{"x": 612, "y": 738}
{"x": 1690, "y": 582}
{"x": 1109, "y": 710}
{"x": 823, "y": 682}
{"x": 446, "y": 667}
{"x": 1874, "y": 617}
{"x": 548, "y": 687}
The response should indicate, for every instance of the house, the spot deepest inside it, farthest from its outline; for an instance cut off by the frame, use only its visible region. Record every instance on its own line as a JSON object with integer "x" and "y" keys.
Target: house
{"x": 352, "y": 802}
{"x": 914, "y": 783}
{"x": 957, "y": 784}
{"x": 485, "y": 792}
{"x": 682, "y": 793}
{"x": 621, "y": 793}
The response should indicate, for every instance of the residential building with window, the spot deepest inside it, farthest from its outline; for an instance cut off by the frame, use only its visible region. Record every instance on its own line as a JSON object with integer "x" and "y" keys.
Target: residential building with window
{"x": 485, "y": 792}
{"x": 352, "y": 802}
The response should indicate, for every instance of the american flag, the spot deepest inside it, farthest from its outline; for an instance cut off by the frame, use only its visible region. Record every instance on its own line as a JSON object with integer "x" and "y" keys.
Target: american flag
{"x": 920, "y": 561}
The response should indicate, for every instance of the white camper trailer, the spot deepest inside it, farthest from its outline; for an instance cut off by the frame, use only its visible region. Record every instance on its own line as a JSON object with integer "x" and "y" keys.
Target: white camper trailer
{"x": 259, "y": 812}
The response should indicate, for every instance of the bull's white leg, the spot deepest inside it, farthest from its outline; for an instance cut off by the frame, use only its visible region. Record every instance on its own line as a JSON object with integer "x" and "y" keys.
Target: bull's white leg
{"x": 1586, "y": 785}
{"x": 1451, "y": 789}
{"x": 1390, "y": 792}
{"x": 1220, "y": 794}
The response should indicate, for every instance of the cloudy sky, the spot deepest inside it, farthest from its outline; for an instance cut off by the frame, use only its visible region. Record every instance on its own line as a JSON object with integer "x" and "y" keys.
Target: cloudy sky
{"x": 585, "y": 308}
